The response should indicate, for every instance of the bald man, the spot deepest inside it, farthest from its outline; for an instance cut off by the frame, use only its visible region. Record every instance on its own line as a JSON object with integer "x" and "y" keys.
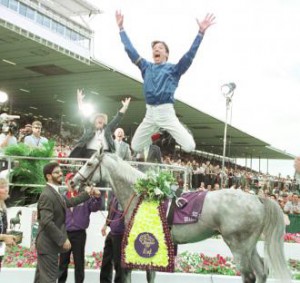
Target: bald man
{"x": 122, "y": 148}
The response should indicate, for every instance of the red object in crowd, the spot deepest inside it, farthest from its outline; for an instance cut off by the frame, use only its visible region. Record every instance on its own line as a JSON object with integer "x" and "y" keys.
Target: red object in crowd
{"x": 69, "y": 176}
{"x": 155, "y": 137}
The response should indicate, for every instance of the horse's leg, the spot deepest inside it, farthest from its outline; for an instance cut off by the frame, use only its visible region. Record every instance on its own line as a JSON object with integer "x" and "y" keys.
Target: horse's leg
{"x": 258, "y": 266}
{"x": 241, "y": 247}
{"x": 245, "y": 266}
{"x": 127, "y": 276}
{"x": 150, "y": 276}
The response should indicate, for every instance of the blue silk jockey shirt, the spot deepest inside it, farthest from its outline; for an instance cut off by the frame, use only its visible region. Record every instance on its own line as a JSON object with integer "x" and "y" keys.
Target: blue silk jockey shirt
{"x": 160, "y": 80}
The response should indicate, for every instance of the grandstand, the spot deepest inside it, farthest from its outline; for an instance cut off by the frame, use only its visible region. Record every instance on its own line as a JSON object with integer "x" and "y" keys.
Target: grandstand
{"x": 46, "y": 56}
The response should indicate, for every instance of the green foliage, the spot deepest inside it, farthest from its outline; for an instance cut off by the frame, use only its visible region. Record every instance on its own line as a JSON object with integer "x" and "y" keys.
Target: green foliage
{"x": 29, "y": 171}
{"x": 156, "y": 186}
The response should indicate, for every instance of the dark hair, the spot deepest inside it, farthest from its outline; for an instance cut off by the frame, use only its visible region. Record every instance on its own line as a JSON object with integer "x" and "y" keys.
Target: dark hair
{"x": 48, "y": 169}
{"x": 153, "y": 43}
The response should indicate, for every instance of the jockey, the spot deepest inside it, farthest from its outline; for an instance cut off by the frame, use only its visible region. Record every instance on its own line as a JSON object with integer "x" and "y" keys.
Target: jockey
{"x": 160, "y": 82}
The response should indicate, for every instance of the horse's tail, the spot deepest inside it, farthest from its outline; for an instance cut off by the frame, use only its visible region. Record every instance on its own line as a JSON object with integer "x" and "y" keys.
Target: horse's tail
{"x": 274, "y": 229}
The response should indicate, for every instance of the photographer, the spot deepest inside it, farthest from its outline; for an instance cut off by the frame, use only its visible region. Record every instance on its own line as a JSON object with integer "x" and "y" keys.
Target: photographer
{"x": 7, "y": 137}
{"x": 24, "y": 132}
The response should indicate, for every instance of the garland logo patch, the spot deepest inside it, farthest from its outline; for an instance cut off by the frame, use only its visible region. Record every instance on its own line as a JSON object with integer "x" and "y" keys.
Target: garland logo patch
{"x": 146, "y": 245}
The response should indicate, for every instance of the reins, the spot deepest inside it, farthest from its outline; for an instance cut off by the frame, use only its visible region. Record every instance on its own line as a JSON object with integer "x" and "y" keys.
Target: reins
{"x": 85, "y": 180}
{"x": 125, "y": 210}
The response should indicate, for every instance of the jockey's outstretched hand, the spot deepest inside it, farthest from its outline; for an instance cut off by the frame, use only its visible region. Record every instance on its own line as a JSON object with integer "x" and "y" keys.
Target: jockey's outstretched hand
{"x": 125, "y": 104}
{"x": 119, "y": 19}
{"x": 206, "y": 22}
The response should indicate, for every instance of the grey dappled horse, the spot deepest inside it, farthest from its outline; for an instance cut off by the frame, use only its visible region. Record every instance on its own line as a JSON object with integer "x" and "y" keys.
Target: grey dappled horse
{"x": 239, "y": 217}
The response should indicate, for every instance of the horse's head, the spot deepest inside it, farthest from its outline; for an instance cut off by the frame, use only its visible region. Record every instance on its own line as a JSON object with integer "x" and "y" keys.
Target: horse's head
{"x": 89, "y": 172}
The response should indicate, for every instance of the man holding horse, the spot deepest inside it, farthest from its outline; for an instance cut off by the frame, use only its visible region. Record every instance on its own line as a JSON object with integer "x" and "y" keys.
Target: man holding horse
{"x": 52, "y": 238}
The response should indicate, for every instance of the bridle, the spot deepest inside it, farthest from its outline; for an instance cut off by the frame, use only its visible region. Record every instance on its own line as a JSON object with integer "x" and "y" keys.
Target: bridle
{"x": 86, "y": 180}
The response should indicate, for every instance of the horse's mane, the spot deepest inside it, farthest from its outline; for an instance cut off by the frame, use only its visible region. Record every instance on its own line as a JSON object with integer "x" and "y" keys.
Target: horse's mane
{"x": 122, "y": 168}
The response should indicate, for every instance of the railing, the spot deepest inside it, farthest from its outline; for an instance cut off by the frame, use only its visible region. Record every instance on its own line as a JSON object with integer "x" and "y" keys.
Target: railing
{"x": 71, "y": 163}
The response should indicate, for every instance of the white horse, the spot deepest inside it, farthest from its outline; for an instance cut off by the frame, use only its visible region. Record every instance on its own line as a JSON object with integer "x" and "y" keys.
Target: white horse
{"x": 239, "y": 217}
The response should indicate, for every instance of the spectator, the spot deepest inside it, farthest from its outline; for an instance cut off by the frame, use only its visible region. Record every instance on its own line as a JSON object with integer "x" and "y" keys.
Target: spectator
{"x": 35, "y": 139}
{"x": 7, "y": 138}
{"x": 153, "y": 153}
{"x": 26, "y": 131}
{"x": 297, "y": 168}
{"x": 5, "y": 239}
{"x": 77, "y": 221}
{"x": 293, "y": 206}
{"x": 99, "y": 132}
{"x": 122, "y": 148}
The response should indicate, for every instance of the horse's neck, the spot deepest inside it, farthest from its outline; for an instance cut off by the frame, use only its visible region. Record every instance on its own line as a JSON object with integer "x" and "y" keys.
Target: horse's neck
{"x": 122, "y": 191}
{"x": 122, "y": 176}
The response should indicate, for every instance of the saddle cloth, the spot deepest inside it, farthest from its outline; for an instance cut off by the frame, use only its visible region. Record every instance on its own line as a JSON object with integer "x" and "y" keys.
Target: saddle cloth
{"x": 191, "y": 211}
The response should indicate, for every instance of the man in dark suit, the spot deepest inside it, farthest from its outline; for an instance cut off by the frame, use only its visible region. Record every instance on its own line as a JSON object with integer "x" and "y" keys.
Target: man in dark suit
{"x": 52, "y": 238}
{"x": 151, "y": 154}
{"x": 97, "y": 132}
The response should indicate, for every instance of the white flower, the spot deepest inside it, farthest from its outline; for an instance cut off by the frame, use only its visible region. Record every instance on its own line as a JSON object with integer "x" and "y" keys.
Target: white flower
{"x": 158, "y": 192}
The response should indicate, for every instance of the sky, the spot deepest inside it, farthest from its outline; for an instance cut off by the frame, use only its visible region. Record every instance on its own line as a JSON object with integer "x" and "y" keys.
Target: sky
{"x": 254, "y": 43}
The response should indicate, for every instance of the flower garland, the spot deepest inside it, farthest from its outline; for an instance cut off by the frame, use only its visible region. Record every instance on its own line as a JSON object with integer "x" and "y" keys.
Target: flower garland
{"x": 156, "y": 186}
{"x": 148, "y": 221}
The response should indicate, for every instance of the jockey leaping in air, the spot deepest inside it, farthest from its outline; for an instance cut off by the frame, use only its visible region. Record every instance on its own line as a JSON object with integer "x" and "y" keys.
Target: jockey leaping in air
{"x": 160, "y": 82}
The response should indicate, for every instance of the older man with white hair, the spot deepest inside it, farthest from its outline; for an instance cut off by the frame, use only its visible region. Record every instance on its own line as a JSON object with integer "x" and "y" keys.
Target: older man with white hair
{"x": 98, "y": 132}
{"x": 122, "y": 147}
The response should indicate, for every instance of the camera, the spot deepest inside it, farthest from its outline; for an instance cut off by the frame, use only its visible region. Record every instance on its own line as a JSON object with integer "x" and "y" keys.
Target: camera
{"x": 10, "y": 128}
{"x": 8, "y": 125}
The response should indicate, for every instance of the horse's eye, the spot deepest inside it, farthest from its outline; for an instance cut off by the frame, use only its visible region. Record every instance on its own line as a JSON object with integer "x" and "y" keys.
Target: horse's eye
{"x": 89, "y": 164}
